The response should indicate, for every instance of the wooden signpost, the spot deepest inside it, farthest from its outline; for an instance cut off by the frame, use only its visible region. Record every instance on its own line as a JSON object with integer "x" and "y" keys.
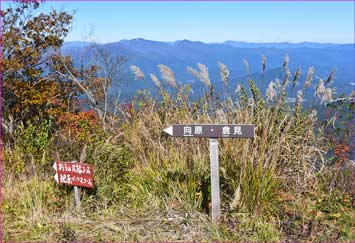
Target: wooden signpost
{"x": 213, "y": 132}
{"x": 75, "y": 174}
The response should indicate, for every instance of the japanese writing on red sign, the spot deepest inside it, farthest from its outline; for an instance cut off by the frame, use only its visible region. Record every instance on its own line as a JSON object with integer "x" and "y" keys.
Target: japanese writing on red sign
{"x": 76, "y": 180}
{"x": 77, "y": 168}
{"x": 72, "y": 173}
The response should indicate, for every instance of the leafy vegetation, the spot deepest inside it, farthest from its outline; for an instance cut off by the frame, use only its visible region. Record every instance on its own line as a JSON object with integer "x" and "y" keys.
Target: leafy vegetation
{"x": 280, "y": 186}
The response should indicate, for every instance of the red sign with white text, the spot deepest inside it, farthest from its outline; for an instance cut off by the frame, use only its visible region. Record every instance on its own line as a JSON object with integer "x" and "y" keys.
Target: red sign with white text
{"x": 73, "y": 173}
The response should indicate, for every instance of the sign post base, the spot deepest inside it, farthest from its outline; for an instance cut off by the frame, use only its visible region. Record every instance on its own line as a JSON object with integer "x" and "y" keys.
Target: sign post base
{"x": 77, "y": 193}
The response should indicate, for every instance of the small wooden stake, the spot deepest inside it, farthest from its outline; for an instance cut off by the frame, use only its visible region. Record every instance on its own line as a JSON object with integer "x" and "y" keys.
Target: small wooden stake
{"x": 77, "y": 195}
{"x": 77, "y": 190}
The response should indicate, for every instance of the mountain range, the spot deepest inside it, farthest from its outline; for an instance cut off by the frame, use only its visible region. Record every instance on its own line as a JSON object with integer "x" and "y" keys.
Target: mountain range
{"x": 147, "y": 54}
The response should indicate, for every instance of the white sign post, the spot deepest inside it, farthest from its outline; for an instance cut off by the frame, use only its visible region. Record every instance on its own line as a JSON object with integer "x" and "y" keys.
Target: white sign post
{"x": 213, "y": 132}
{"x": 214, "y": 167}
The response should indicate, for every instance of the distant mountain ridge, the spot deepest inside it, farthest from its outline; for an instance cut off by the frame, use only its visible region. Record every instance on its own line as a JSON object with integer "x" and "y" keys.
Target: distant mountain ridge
{"x": 147, "y": 54}
{"x": 243, "y": 44}
{"x": 284, "y": 44}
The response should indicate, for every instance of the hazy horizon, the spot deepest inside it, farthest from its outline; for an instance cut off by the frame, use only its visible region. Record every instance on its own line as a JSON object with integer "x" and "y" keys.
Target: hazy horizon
{"x": 221, "y": 42}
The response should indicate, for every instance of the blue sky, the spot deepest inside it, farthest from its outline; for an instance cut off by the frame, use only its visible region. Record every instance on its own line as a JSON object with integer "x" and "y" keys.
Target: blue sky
{"x": 211, "y": 21}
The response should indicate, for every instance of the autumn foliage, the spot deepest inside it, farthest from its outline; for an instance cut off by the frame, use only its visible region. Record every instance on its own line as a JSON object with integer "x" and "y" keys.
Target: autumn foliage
{"x": 39, "y": 83}
{"x": 30, "y": 86}
{"x": 78, "y": 126}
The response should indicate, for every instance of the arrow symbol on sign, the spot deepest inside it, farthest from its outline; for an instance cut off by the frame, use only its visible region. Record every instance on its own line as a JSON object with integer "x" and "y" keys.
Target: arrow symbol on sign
{"x": 169, "y": 130}
{"x": 56, "y": 177}
{"x": 55, "y": 165}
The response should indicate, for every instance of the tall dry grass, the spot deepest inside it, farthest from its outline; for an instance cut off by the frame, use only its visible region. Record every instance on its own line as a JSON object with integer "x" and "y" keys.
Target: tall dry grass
{"x": 284, "y": 154}
{"x": 264, "y": 181}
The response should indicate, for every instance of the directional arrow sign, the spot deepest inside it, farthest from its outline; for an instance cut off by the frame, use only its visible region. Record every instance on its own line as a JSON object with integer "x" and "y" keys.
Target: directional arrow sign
{"x": 212, "y": 131}
{"x": 76, "y": 174}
